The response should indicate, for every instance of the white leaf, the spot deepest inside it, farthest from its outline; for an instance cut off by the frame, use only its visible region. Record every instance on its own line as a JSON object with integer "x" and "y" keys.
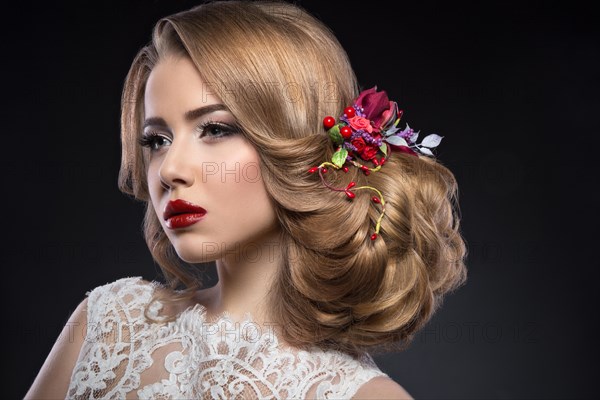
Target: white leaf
{"x": 391, "y": 131}
{"x": 396, "y": 141}
{"x": 431, "y": 140}
{"x": 425, "y": 150}
{"x": 414, "y": 136}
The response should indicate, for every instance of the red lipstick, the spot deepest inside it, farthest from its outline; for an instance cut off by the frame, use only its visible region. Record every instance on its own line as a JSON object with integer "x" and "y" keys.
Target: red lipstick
{"x": 180, "y": 214}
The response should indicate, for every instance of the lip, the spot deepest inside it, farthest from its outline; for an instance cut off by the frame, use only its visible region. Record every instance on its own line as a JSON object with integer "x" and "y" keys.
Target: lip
{"x": 181, "y": 213}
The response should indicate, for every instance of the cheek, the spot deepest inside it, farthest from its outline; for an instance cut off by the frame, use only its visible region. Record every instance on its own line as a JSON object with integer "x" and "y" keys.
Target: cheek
{"x": 245, "y": 186}
{"x": 154, "y": 188}
{"x": 242, "y": 195}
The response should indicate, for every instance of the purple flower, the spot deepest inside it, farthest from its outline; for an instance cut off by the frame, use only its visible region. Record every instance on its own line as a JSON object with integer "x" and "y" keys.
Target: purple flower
{"x": 406, "y": 133}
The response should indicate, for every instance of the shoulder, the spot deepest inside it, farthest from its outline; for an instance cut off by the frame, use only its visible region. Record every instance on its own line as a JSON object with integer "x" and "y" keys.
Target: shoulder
{"x": 131, "y": 293}
{"x": 121, "y": 285}
{"x": 359, "y": 377}
{"x": 381, "y": 387}
{"x": 53, "y": 377}
{"x": 107, "y": 305}
{"x": 127, "y": 289}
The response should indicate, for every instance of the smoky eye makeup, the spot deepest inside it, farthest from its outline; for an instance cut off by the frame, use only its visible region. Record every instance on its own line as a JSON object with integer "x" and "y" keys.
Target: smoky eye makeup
{"x": 209, "y": 130}
{"x": 212, "y": 129}
{"x": 152, "y": 140}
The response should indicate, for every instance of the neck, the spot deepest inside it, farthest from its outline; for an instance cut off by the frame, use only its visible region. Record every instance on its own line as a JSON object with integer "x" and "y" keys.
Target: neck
{"x": 245, "y": 273}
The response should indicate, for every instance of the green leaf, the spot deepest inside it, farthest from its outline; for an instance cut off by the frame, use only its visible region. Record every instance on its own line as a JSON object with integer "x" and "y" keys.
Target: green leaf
{"x": 383, "y": 149}
{"x": 335, "y": 135}
{"x": 339, "y": 157}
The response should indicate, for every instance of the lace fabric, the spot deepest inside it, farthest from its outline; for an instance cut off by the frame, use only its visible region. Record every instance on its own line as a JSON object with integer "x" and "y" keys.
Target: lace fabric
{"x": 126, "y": 356}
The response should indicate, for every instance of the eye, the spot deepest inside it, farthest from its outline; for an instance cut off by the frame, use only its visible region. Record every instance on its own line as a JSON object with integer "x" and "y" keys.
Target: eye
{"x": 153, "y": 140}
{"x": 214, "y": 130}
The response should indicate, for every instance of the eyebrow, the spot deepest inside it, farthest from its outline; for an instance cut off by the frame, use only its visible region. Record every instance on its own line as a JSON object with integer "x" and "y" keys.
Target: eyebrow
{"x": 189, "y": 115}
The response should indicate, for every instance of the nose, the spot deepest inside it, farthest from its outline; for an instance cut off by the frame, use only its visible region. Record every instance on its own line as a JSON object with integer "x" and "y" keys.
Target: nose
{"x": 176, "y": 168}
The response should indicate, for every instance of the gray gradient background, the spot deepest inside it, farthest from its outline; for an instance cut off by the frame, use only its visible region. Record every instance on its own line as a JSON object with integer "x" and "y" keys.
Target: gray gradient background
{"x": 513, "y": 87}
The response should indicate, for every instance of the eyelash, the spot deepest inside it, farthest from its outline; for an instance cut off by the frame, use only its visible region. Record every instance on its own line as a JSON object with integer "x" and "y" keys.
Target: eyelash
{"x": 150, "y": 138}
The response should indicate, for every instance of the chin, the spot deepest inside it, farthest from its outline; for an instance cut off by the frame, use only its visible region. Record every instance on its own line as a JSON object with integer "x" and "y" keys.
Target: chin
{"x": 199, "y": 252}
{"x": 193, "y": 248}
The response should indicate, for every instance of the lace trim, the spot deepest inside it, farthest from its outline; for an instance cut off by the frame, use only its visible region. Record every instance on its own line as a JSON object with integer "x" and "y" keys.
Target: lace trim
{"x": 217, "y": 358}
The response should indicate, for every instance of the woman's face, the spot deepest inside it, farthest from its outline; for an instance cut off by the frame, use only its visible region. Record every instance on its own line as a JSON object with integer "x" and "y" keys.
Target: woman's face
{"x": 198, "y": 155}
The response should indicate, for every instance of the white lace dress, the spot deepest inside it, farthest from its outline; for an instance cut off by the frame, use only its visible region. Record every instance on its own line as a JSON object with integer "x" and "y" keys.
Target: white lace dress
{"x": 124, "y": 356}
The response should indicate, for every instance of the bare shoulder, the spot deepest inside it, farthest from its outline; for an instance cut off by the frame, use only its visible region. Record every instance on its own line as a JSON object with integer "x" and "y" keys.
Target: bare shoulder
{"x": 381, "y": 387}
{"x": 53, "y": 378}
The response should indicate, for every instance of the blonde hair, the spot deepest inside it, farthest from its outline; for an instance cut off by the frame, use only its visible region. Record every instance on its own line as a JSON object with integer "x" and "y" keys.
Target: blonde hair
{"x": 279, "y": 70}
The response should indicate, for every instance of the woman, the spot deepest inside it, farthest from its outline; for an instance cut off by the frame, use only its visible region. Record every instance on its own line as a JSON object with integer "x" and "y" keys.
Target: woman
{"x": 334, "y": 234}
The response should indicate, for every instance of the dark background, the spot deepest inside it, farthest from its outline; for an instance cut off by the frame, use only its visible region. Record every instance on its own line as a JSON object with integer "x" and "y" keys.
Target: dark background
{"x": 512, "y": 87}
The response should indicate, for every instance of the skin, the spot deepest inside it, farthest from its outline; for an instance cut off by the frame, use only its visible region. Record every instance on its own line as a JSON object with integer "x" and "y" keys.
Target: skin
{"x": 219, "y": 172}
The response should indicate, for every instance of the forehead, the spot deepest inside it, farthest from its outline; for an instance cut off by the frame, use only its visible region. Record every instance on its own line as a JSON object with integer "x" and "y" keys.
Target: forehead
{"x": 175, "y": 86}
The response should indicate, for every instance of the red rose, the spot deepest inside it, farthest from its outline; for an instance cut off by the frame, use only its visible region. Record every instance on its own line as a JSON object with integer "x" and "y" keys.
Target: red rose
{"x": 368, "y": 153}
{"x": 360, "y": 123}
{"x": 359, "y": 143}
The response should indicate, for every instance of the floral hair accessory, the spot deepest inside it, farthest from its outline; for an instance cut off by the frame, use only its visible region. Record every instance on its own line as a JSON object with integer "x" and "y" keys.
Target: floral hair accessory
{"x": 367, "y": 132}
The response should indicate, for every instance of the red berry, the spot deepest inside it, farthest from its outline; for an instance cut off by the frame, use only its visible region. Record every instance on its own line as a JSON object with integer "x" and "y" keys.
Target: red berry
{"x": 328, "y": 122}
{"x": 351, "y": 185}
{"x": 375, "y": 199}
{"x": 346, "y": 132}
{"x": 350, "y": 112}
{"x": 324, "y": 170}
{"x": 374, "y": 236}
{"x": 375, "y": 162}
{"x": 350, "y": 194}
{"x": 345, "y": 169}
{"x": 313, "y": 170}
